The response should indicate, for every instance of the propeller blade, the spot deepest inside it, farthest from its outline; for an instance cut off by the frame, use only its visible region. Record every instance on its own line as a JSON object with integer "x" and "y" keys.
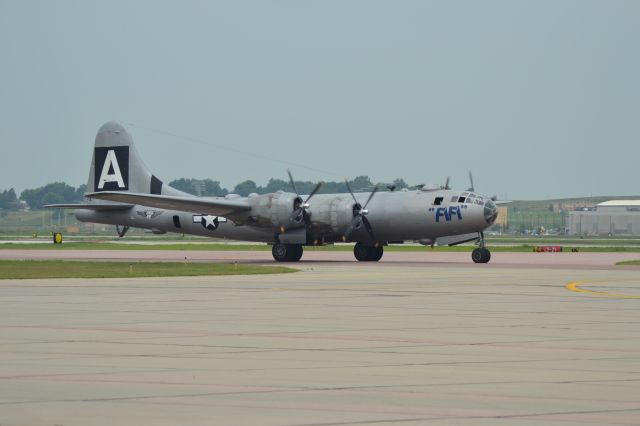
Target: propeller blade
{"x": 369, "y": 229}
{"x": 350, "y": 191}
{"x": 299, "y": 213}
{"x": 446, "y": 184}
{"x": 355, "y": 224}
{"x": 316, "y": 189}
{"x": 472, "y": 188}
{"x": 375, "y": 189}
{"x": 292, "y": 182}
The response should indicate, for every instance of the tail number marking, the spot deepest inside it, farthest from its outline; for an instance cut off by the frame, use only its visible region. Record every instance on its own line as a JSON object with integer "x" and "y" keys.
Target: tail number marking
{"x": 113, "y": 165}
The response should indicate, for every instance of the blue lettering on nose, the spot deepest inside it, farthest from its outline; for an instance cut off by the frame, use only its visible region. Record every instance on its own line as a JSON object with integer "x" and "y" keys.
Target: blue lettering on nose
{"x": 455, "y": 210}
{"x": 448, "y": 213}
{"x": 441, "y": 211}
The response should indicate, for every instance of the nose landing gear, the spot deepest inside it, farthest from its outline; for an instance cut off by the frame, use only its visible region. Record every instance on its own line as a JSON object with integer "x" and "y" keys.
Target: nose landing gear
{"x": 482, "y": 253}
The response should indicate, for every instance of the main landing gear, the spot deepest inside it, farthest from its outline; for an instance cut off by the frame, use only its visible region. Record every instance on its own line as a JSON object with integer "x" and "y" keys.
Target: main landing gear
{"x": 367, "y": 253}
{"x": 293, "y": 252}
{"x": 286, "y": 252}
{"x": 482, "y": 253}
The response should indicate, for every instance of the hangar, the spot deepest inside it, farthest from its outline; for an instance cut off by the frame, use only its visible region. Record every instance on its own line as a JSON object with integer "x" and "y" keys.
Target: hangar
{"x": 614, "y": 217}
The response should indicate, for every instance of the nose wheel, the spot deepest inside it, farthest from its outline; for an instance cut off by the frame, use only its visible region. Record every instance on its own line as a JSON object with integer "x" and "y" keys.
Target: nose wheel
{"x": 481, "y": 255}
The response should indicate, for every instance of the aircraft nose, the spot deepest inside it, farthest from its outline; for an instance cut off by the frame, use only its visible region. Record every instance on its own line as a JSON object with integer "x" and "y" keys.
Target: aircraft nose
{"x": 490, "y": 212}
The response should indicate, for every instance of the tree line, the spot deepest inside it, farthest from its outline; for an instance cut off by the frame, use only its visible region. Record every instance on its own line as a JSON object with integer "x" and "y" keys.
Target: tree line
{"x": 211, "y": 188}
{"x": 62, "y": 193}
{"x": 8, "y": 199}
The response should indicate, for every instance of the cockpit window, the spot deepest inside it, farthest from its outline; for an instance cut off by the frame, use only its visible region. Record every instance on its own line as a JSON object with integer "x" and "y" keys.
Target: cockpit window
{"x": 479, "y": 202}
{"x": 470, "y": 200}
{"x": 454, "y": 198}
{"x": 438, "y": 201}
{"x": 461, "y": 199}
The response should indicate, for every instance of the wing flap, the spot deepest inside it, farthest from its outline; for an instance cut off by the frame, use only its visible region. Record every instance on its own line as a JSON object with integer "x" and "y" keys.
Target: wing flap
{"x": 212, "y": 206}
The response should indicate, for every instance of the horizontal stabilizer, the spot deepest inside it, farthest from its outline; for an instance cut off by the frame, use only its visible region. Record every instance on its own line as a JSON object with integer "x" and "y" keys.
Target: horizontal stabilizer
{"x": 212, "y": 206}
{"x": 96, "y": 207}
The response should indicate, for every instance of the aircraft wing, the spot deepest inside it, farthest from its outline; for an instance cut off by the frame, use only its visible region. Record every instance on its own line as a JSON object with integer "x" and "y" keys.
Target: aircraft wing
{"x": 96, "y": 207}
{"x": 212, "y": 206}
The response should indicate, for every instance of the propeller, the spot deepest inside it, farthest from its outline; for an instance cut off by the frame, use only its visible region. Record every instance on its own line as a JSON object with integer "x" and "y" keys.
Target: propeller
{"x": 299, "y": 213}
{"x": 446, "y": 184}
{"x": 360, "y": 215}
{"x": 472, "y": 189}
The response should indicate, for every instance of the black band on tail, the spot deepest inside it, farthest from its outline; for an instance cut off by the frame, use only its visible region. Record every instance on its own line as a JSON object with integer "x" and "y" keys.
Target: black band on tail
{"x": 156, "y": 186}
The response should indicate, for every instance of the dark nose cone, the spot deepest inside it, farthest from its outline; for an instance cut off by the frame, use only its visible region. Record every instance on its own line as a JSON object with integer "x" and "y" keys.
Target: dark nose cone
{"x": 490, "y": 212}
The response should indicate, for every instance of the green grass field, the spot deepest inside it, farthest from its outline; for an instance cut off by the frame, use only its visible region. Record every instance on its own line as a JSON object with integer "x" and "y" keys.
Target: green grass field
{"x": 629, "y": 263}
{"x": 23, "y": 269}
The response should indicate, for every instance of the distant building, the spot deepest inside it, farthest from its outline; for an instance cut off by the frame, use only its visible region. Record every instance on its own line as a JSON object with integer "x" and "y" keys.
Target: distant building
{"x": 503, "y": 216}
{"x": 615, "y": 217}
{"x": 567, "y": 206}
{"x": 20, "y": 205}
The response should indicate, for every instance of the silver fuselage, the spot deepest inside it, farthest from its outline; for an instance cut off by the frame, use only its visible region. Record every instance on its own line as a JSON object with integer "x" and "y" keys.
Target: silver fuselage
{"x": 394, "y": 216}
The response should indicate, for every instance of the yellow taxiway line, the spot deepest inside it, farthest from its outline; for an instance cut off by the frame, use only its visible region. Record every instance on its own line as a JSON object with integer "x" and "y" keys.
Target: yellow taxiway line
{"x": 576, "y": 286}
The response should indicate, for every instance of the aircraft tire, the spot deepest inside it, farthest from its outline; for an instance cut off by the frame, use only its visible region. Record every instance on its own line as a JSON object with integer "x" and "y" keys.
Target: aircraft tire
{"x": 476, "y": 255}
{"x": 286, "y": 252}
{"x": 480, "y": 255}
{"x": 296, "y": 252}
{"x": 376, "y": 253}
{"x": 361, "y": 252}
{"x": 487, "y": 255}
{"x": 367, "y": 253}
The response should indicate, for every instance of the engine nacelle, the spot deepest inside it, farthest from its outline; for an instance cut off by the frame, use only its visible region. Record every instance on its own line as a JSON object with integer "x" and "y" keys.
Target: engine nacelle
{"x": 273, "y": 210}
{"x": 332, "y": 216}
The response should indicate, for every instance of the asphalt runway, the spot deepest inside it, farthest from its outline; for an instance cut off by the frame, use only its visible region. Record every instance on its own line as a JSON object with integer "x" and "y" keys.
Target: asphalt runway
{"x": 525, "y": 340}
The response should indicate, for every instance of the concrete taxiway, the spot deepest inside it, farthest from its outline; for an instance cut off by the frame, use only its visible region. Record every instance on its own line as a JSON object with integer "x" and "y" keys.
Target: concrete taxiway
{"x": 425, "y": 258}
{"x": 338, "y": 343}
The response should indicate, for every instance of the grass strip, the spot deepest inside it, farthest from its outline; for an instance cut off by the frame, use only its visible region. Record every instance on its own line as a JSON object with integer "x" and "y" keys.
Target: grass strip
{"x": 24, "y": 269}
{"x": 629, "y": 263}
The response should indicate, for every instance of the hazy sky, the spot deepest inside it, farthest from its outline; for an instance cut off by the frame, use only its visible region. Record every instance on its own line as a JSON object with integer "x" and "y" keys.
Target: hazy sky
{"x": 539, "y": 98}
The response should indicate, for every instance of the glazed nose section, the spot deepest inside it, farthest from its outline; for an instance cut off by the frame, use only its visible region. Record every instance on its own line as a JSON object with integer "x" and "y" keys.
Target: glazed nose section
{"x": 490, "y": 212}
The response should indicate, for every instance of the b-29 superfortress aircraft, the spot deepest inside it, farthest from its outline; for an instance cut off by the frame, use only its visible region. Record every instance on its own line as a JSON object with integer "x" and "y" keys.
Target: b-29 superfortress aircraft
{"x": 123, "y": 192}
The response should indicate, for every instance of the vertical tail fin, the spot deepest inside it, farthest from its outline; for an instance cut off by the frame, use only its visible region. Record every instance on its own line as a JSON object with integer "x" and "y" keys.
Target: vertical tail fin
{"x": 117, "y": 166}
